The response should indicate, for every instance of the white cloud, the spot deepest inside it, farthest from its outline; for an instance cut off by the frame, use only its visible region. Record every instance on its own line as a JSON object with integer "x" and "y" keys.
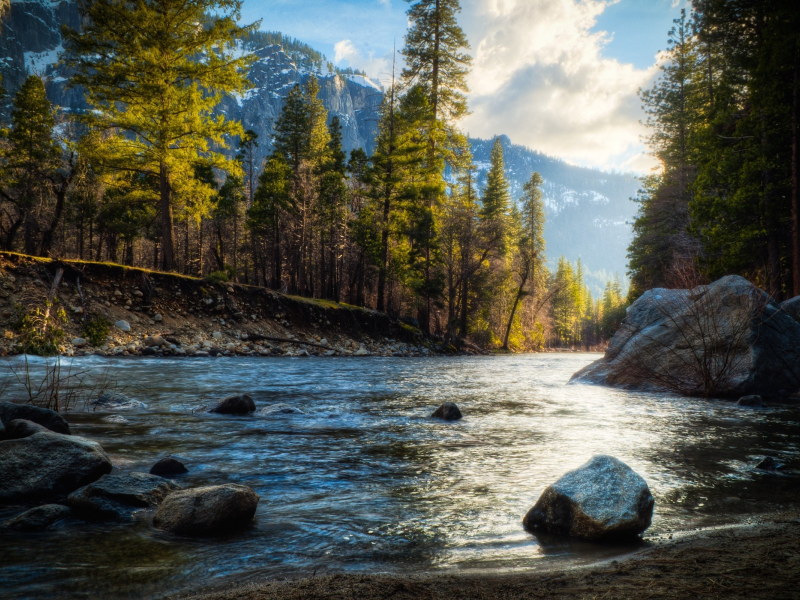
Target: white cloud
{"x": 346, "y": 54}
{"x": 539, "y": 76}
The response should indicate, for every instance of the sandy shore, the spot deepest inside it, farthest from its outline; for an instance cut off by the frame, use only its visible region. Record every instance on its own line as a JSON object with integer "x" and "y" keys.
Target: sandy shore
{"x": 756, "y": 559}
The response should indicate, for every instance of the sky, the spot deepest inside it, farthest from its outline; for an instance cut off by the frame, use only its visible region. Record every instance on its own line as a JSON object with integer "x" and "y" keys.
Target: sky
{"x": 558, "y": 76}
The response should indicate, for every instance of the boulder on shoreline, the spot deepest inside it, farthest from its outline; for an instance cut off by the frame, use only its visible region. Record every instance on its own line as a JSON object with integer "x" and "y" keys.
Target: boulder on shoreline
{"x": 669, "y": 338}
{"x": 113, "y": 496}
{"x": 49, "y": 464}
{"x": 207, "y": 510}
{"x": 235, "y": 404}
{"x": 167, "y": 467}
{"x": 39, "y": 518}
{"x": 45, "y": 417}
{"x": 601, "y": 499}
{"x": 448, "y": 411}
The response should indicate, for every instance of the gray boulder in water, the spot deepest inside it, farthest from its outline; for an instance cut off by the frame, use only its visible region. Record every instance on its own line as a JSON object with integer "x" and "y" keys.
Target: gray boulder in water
{"x": 726, "y": 339}
{"x": 113, "y": 496}
{"x": 601, "y": 499}
{"x": 48, "y": 464}
{"x": 167, "y": 467}
{"x": 42, "y": 416}
{"x": 207, "y": 510}
{"x": 448, "y": 411}
{"x": 21, "y": 428}
{"x": 113, "y": 401}
{"x": 39, "y": 518}
{"x": 235, "y": 404}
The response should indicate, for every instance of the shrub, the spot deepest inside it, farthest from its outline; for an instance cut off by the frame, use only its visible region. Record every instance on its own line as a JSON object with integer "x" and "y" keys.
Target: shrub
{"x": 96, "y": 330}
{"x": 40, "y": 329}
{"x": 218, "y": 277}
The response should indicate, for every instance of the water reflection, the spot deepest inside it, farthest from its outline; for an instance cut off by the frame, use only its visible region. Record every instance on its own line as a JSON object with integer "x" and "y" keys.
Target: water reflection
{"x": 365, "y": 481}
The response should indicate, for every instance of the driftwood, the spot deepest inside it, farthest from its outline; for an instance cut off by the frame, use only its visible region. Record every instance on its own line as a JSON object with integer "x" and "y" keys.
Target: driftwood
{"x": 258, "y": 336}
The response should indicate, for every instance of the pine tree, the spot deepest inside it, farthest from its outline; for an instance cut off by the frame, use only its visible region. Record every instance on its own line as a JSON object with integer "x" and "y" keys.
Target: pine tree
{"x": 434, "y": 58}
{"x": 496, "y": 196}
{"x": 138, "y": 62}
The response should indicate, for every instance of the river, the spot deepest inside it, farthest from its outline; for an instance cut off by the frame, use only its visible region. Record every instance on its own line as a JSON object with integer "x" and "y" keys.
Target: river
{"x": 365, "y": 481}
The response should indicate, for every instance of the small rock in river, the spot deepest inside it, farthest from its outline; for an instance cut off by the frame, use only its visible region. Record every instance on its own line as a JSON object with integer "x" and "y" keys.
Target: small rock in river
{"x": 110, "y": 401}
{"x": 752, "y": 400}
{"x": 207, "y": 510}
{"x": 769, "y": 464}
{"x": 235, "y": 404}
{"x": 280, "y": 409}
{"x": 119, "y": 419}
{"x": 167, "y": 467}
{"x": 448, "y": 411}
{"x": 603, "y": 498}
{"x": 39, "y": 518}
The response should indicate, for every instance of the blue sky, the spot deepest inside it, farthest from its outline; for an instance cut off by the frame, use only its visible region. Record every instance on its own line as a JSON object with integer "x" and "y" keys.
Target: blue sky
{"x": 556, "y": 75}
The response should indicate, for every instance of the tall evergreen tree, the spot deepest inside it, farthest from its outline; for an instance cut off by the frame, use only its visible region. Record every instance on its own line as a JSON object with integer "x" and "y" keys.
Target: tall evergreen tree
{"x": 138, "y": 62}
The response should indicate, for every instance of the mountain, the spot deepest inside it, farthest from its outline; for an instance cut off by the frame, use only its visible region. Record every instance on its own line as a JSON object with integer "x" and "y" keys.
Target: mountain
{"x": 30, "y": 42}
{"x": 588, "y": 211}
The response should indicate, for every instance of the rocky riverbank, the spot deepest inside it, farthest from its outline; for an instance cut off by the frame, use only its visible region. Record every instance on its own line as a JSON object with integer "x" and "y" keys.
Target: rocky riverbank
{"x": 148, "y": 313}
{"x": 757, "y": 559}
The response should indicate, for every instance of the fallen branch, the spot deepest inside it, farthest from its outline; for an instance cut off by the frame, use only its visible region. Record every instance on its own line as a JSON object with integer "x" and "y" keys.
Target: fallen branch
{"x": 257, "y": 337}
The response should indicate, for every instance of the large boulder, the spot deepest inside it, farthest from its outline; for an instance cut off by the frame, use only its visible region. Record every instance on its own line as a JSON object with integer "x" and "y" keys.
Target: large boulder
{"x": 113, "y": 401}
{"x": 601, "y": 499}
{"x": 113, "y": 496}
{"x": 21, "y": 428}
{"x": 792, "y": 308}
{"x": 39, "y": 518}
{"x": 726, "y": 339}
{"x": 43, "y": 416}
{"x": 207, "y": 510}
{"x": 448, "y": 411}
{"x": 235, "y": 404}
{"x": 49, "y": 464}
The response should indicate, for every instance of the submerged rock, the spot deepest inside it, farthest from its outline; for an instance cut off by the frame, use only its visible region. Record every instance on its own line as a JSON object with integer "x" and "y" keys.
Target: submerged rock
{"x": 119, "y": 419}
{"x": 207, "y": 510}
{"x": 603, "y": 498}
{"x": 43, "y": 416}
{"x": 769, "y": 464}
{"x": 235, "y": 404}
{"x": 48, "y": 464}
{"x": 167, "y": 467}
{"x": 448, "y": 411}
{"x": 661, "y": 343}
{"x": 113, "y": 496}
{"x": 21, "y": 428}
{"x": 39, "y": 518}
{"x": 752, "y": 400}
{"x": 280, "y": 409}
{"x": 110, "y": 401}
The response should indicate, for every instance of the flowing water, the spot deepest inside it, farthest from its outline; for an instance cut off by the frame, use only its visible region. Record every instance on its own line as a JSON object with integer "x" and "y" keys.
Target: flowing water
{"x": 365, "y": 481}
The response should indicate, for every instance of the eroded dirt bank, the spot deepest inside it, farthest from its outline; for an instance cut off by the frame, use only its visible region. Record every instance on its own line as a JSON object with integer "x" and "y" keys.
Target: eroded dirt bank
{"x": 757, "y": 559}
{"x": 198, "y": 316}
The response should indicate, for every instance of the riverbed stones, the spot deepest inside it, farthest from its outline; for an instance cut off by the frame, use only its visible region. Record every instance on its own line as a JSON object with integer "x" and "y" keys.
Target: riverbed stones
{"x": 235, "y": 404}
{"x": 448, "y": 411}
{"x": 39, "y": 518}
{"x": 114, "y": 401}
{"x": 601, "y": 499}
{"x": 43, "y": 416}
{"x": 22, "y": 428}
{"x": 752, "y": 400}
{"x": 280, "y": 409}
{"x": 662, "y": 344}
{"x": 49, "y": 464}
{"x": 207, "y": 510}
{"x": 123, "y": 325}
{"x": 114, "y": 496}
{"x": 168, "y": 467}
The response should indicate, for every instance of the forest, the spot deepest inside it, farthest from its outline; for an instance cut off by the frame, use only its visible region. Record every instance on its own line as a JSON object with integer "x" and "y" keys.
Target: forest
{"x": 154, "y": 176}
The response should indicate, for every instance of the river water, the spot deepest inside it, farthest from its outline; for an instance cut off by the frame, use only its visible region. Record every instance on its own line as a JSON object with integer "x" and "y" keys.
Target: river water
{"x": 365, "y": 481}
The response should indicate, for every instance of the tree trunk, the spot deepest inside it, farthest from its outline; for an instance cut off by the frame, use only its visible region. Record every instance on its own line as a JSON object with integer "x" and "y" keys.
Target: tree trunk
{"x": 464, "y": 307}
{"x": 167, "y": 232}
{"x": 523, "y": 281}
{"x": 795, "y": 210}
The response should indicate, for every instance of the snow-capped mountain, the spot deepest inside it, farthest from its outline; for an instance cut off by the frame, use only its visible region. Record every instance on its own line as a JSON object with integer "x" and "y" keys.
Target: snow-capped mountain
{"x": 588, "y": 211}
{"x": 30, "y": 42}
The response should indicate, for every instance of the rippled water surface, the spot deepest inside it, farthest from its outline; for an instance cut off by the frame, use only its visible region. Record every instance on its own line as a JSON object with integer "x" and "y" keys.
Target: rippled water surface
{"x": 366, "y": 481}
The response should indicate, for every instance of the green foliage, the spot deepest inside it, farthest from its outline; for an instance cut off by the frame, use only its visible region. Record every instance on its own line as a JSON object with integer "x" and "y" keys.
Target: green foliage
{"x": 224, "y": 276}
{"x": 41, "y": 328}
{"x": 96, "y": 329}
